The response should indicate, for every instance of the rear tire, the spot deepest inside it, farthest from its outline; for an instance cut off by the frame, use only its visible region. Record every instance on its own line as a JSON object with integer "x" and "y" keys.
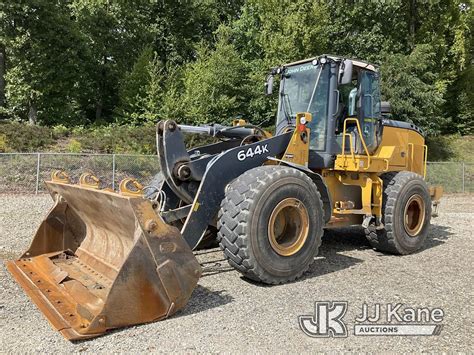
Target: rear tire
{"x": 406, "y": 214}
{"x": 276, "y": 252}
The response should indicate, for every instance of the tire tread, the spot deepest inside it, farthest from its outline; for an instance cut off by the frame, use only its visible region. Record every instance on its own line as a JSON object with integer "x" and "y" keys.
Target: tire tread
{"x": 393, "y": 183}
{"x": 241, "y": 194}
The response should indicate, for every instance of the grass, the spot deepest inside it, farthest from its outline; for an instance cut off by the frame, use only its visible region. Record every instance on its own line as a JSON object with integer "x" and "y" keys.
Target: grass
{"x": 451, "y": 148}
{"x": 450, "y": 176}
{"x": 17, "y": 137}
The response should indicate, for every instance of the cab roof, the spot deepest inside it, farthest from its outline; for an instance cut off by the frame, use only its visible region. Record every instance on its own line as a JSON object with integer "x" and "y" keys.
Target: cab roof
{"x": 355, "y": 62}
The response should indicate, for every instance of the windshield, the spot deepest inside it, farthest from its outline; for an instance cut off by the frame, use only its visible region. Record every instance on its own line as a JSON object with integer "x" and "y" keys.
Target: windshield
{"x": 304, "y": 88}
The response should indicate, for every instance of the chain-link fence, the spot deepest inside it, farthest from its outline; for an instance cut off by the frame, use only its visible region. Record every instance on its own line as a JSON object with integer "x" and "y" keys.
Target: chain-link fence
{"x": 453, "y": 176}
{"x": 26, "y": 172}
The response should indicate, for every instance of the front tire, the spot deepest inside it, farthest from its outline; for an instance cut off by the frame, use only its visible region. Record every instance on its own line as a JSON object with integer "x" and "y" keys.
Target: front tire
{"x": 270, "y": 224}
{"x": 406, "y": 214}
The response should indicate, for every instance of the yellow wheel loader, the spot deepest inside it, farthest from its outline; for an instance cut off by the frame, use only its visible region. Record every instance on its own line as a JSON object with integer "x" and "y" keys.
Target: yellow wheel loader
{"x": 103, "y": 259}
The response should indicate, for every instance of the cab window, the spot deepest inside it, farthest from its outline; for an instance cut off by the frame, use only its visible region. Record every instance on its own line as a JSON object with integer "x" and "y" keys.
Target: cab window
{"x": 369, "y": 108}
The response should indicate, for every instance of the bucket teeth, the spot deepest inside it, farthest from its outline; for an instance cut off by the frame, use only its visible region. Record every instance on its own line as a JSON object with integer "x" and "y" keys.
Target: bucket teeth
{"x": 127, "y": 187}
{"x": 130, "y": 187}
{"x": 89, "y": 180}
{"x": 60, "y": 176}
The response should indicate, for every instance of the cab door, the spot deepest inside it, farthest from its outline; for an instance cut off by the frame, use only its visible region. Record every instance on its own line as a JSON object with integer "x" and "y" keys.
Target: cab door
{"x": 369, "y": 112}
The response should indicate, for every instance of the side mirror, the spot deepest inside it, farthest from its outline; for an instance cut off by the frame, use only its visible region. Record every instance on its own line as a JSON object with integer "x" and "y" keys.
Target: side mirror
{"x": 345, "y": 72}
{"x": 385, "y": 107}
{"x": 269, "y": 85}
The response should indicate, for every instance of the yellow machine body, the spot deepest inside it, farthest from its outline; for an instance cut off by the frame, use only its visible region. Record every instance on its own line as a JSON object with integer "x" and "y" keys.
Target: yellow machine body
{"x": 354, "y": 183}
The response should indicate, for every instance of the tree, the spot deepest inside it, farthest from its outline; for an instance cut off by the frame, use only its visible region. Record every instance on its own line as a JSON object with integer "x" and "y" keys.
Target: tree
{"x": 133, "y": 88}
{"x": 366, "y": 29}
{"x": 216, "y": 85}
{"x": 132, "y": 62}
{"x": 115, "y": 33}
{"x": 2, "y": 74}
{"x": 42, "y": 46}
{"x": 269, "y": 33}
{"x": 409, "y": 83}
{"x": 460, "y": 92}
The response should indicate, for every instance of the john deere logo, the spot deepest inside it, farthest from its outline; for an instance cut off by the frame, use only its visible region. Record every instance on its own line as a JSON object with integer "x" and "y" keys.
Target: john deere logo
{"x": 326, "y": 320}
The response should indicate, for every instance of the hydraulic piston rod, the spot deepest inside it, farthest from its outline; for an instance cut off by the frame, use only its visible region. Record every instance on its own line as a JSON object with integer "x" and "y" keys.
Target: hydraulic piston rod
{"x": 219, "y": 130}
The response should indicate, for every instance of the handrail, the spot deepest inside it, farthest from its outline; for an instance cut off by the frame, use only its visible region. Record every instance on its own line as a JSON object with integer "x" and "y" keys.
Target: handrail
{"x": 350, "y": 144}
{"x": 359, "y": 131}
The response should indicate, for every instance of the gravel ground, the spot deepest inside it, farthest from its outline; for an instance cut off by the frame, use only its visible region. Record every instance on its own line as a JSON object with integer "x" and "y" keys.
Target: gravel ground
{"x": 228, "y": 314}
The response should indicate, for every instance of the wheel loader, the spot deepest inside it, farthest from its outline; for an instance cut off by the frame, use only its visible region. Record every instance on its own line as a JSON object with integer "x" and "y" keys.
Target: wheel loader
{"x": 104, "y": 259}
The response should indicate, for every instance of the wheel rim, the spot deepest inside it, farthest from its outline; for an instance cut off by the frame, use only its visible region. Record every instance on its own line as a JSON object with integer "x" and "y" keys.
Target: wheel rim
{"x": 288, "y": 227}
{"x": 414, "y": 216}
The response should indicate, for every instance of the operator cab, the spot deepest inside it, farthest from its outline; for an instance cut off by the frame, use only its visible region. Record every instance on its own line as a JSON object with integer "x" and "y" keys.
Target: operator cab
{"x": 331, "y": 89}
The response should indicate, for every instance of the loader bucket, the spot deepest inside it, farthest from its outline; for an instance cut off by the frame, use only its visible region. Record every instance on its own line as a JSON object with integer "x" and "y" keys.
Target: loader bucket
{"x": 103, "y": 260}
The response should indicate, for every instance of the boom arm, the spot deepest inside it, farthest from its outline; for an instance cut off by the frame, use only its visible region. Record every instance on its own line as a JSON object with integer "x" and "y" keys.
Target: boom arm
{"x": 205, "y": 195}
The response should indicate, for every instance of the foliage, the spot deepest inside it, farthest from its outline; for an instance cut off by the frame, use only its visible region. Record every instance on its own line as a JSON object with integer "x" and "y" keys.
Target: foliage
{"x": 117, "y": 139}
{"x": 411, "y": 87}
{"x": 60, "y": 131}
{"x": 16, "y": 137}
{"x": 421, "y": 47}
{"x": 74, "y": 146}
{"x": 25, "y": 138}
{"x": 216, "y": 85}
{"x": 108, "y": 63}
{"x": 124, "y": 139}
{"x": 151, "y": 104}
{"x": 42, "y": 65}
{"x": 450, "y": 148}
{"x": 133, "y": 88}
{"x": 265, "y": 38}
{"x": 3, "y": 143}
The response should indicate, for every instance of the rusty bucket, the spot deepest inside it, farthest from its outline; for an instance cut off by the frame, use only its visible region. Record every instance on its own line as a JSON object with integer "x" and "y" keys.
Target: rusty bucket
{"x": 103, "y": 260}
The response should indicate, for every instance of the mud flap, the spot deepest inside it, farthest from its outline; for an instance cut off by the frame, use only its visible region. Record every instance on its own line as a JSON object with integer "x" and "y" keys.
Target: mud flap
{"x": 101, "y": 260}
